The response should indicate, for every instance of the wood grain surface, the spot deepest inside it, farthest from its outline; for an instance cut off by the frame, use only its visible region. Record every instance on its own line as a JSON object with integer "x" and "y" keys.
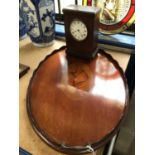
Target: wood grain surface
{"x": 73, "y": 102}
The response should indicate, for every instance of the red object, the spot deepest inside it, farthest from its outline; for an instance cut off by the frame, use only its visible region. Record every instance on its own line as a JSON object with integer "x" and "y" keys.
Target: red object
{"x": 89, "y": 2}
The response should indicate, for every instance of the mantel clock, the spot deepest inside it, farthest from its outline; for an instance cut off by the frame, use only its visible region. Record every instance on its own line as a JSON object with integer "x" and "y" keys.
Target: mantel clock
{"x": 81, "y": 30}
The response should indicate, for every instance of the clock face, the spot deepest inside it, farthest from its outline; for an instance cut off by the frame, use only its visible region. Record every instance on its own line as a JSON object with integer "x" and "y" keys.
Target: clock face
{"x": 78, "y": 30}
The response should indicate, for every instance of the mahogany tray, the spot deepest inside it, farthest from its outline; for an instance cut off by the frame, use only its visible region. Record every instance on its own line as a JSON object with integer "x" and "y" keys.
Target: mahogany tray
{"x": 75, "y": 104}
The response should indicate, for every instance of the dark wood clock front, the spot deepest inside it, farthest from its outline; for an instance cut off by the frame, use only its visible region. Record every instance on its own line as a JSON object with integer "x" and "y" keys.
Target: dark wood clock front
{"x": 81, "y": 30}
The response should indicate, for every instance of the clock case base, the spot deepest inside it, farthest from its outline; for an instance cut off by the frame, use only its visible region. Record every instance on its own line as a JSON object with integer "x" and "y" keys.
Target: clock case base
{"x": 83, "y": 55}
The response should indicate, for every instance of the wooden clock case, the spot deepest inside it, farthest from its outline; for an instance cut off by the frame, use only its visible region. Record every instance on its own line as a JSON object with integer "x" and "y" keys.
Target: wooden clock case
{"x": 89, "y": 16}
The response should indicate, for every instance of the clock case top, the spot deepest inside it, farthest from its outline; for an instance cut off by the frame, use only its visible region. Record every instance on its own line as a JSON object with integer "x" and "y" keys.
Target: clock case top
{"x": 89, "y": 16}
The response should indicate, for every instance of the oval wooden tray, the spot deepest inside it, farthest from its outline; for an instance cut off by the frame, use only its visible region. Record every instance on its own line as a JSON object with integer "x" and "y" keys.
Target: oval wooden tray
{"x": 73, "y": 103}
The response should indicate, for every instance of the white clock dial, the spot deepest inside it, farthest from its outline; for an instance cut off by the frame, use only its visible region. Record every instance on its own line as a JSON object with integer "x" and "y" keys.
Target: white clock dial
{"x": 78, "y": 30}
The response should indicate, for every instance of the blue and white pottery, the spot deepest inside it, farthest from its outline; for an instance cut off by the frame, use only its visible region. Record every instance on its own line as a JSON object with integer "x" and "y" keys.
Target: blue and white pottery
{"x": 22, "y": 26}
{"x": 39, "y": 16}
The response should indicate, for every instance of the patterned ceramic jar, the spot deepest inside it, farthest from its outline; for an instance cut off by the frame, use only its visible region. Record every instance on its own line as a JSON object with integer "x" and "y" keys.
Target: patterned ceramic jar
{"x": 22, "y": 26}
{"x": 39, "y": 16}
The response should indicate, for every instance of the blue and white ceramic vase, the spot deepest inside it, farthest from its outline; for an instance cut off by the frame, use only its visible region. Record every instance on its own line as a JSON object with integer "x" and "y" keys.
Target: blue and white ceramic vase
{"x": 39, "y": 16}
{"x": 22, "y": 26}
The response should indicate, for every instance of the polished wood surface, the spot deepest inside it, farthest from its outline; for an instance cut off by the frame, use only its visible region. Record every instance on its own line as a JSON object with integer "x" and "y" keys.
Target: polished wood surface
{"x": 73, "y": 102}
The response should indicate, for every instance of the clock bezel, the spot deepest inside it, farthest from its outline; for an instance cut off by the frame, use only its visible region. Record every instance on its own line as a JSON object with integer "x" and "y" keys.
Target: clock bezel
{"x": 78, "y": 19}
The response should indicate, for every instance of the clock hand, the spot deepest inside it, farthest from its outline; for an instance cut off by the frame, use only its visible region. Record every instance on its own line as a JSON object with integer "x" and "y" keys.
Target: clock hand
{"x": 79, "y": 31}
